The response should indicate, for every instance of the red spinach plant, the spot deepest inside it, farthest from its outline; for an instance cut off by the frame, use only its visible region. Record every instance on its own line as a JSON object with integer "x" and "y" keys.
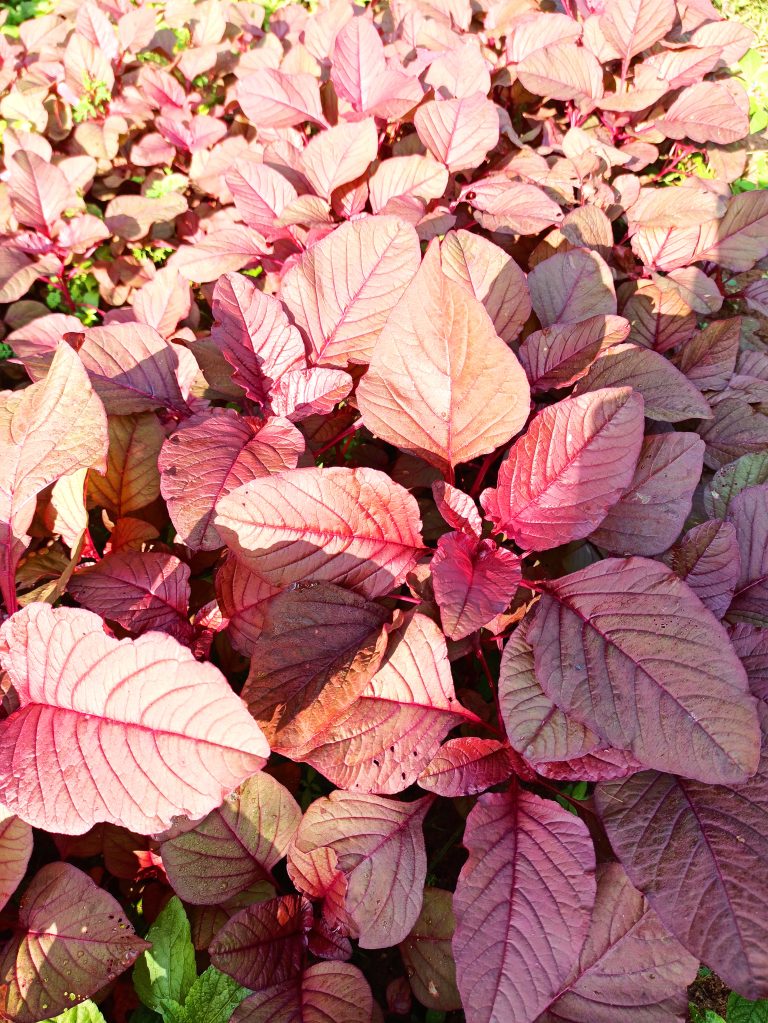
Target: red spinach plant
{"x": 383, "y": 471}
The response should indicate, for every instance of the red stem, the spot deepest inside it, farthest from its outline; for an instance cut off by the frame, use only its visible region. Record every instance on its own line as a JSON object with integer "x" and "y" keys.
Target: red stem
{"x": 482, "y": 472}
{"x": 339, "y": 437}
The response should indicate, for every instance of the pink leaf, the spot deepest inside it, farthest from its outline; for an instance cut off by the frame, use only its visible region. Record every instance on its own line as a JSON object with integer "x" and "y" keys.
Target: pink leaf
{"x": 325, "y": 991}
{"x": 459, "y": 132}
{"x": 343, "y": 289}
{"x": 132, "y": 367}
{"x": 442, "y": 384}
{"x": 751, "y": 644}
{"x": 47, "y": 431}
{"x": 570, "y": 287}
{"x": 379, "y": 847}
{"x": 632, "y": 26}
{"x": 407, "y": 176}
{"x": 339, "y": 155}
{"x": 574, "y": 462}
{"x": 512, "y": 207}
{"x": 650, "y": 513}
{"x": 393, "y": 728}
{"x": 242, "y": 596}
{"x": 89, "y": 703}
{"x": 458, "y": 509}
{"x": 562, "y": 71}
{"x": 354, "y": 527}
{"x": 708, "y": 359}
{"x": 708, "y": 559}
{"x": 358, "y": 65}
{"x": 466, "y": 766}
{"x": 559, "y": 355}
{"x": 219, "y": 252}
{"x": 235, "y": 846}
{"x": 261, "y": 194}
{"x": 300, "y": 393}
{"x": 628, "y": 950}
{"x": 748, "y": 511}
{"x": 209, "y": 456}
{"x": 522, "y": 904}
{"x": 253, "y": 333}
{"x": 72, "y": 941}
{"x": 607, "y": 650}
{"x": 141, "y": 592}
{"x": 491, "y": 276}
{"x": 708, "y": 112}
{"x": 274, "y": 99}
{"x": 15, "y": 851}
{"x": 474, "y": 580}
{"x": 668, "y": 395}
{"x": 38, "y": 190}
{"x": 264, "y": 944}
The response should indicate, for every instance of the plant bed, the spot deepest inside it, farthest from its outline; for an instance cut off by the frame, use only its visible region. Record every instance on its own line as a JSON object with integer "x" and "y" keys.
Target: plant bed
{"x": 384, "y": 513}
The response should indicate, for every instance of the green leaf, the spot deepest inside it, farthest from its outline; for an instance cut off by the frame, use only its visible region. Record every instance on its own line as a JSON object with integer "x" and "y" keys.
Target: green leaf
{"x": 172, "y": 1012}
{"x": 85, "y": 1012}
{"x": 748, "y": 471}
{"x": 742, "y": 1011}
{"x": 707, "y": 1016}
{"x": 166, "y": 971}
{"x": 213, "y": 997}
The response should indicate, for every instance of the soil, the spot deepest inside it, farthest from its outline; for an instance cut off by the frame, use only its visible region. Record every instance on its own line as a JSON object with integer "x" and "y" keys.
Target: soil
{"x": 709, "y": 993}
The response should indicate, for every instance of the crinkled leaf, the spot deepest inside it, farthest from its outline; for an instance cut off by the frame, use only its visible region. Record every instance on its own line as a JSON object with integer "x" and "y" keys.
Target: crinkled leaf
{"x": 166, "y": 970}
{"x": 466, "y": 766}
{"x": 427, "y": 953}
{"x": 731, "y": 479}
{"x": 474, "y": 580}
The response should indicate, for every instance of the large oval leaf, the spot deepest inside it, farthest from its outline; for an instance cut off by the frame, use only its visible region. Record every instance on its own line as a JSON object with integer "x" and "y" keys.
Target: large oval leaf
{"x": 379, "y": 847}
{"x": 522, "y": 905}
{"x": 657, "y": 822}
{"x": 72, "y": 940}
{"x": 575, "y": 460}
{"x": 325, "y": 991}
{"x": 441, "y": 383}
{"x": 150, "y": 732}
{"x": 354, "y": 527}
{"x": 628, "y": 649}
{"x": 236, "y": 845}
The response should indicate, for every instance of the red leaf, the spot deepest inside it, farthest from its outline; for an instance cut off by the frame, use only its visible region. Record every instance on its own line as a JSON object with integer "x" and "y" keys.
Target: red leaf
{"x": 628, "y": 949}
{"x": 708, "y": 359}
{"x": 339, "y": 155}
{"x": 38, "y": 190}
{"x": 74, "y": 939}
{"x": 559, "y": 355}
{"x": 650, "y": 513}
{"x": 178, "y": 734}
{"x": 342, "y": 290}
{"x": 319, "y": 647}
{"x": 708, "y": 112}
{"x": 458, "y": 509}
{"x": 354, "y": 527}
{"x": 708, "y": 559}
{"x": 138, "y": 591}
{"x": 275, "y": 99}
{"x": 522, "y": 904}
{"x": 379, "y": 847}
{"x": 209, "y": 456}
{"x": 632, "y": 26}
{"x": 748, "y": 511}
{"x": 474, "y": 580}
{"x": 466, "y": 766}
{"x": 393, "y": 728}
{"x": 570, "y": 287}
{"x": 562, "y": 71}
{"x": 442, "y": 384}
{"x": 264, "y": 944}
{"x": 657, "y": 821}
{"x": 325, "y": 991}
{"x": 574, "y": 462}
{"x": 668, "y": 395}
{"x": 608, "y": 650}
